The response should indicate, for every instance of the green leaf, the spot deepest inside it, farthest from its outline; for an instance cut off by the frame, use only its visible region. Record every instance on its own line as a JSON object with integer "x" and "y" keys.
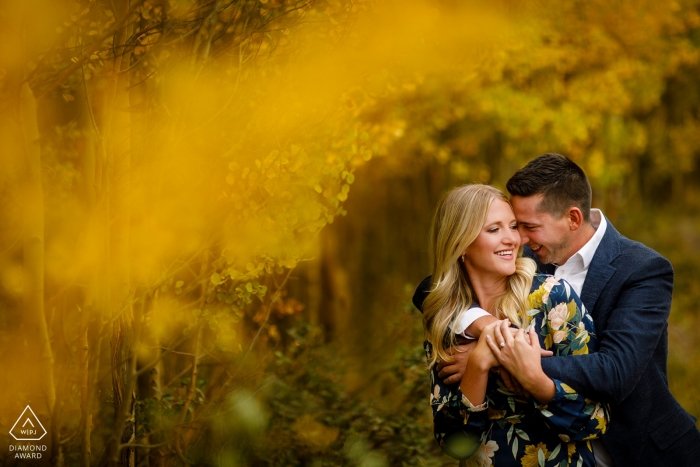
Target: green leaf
{"x": 540, "y": 457}
{"x": 555, "y": 452}
{"x": 249, "y": 287}
{"x": 514, "y": 449}
{"x": 215, "y": 278}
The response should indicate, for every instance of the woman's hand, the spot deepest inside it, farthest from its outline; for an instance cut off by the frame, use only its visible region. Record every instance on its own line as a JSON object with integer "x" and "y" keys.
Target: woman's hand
{"x": 481, "y": 360}
{"x": 483, "y": 355}
{"x": 522, "y": 359}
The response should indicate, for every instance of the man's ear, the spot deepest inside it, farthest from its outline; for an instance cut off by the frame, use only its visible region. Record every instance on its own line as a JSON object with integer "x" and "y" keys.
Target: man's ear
{"x": 575, "y": 218}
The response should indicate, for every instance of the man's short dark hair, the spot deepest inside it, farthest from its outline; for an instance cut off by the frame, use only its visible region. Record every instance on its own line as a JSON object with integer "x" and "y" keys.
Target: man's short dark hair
{"x": 559, "y": 179}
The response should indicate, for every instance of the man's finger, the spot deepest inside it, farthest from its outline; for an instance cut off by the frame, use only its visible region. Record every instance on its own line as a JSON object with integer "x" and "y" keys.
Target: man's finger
{"x": 456, "y": 378}
{"x": 508, "y": 380}
{"x": 535, "y": 343}
{"x": 448, "y": 371}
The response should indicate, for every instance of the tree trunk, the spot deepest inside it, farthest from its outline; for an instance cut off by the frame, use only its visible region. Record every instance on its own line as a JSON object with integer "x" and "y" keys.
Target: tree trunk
{"x": 118, "y": 157}
{"x": 33, "y": 245}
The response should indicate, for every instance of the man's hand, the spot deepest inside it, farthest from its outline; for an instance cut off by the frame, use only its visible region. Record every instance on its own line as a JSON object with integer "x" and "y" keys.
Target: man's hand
{"x": 452, "y": 373}
{"x": 511, "y": 383}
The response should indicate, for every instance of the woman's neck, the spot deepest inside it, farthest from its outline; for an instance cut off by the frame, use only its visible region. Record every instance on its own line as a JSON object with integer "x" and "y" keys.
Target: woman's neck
{"x": 487, "y": 289}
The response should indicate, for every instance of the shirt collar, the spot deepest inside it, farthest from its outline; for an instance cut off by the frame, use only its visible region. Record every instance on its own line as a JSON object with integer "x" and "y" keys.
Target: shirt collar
{"x": 588, "y": 250}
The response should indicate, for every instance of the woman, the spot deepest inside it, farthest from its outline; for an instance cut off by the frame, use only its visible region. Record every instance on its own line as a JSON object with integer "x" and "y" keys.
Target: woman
{"x": 475, "y": 246}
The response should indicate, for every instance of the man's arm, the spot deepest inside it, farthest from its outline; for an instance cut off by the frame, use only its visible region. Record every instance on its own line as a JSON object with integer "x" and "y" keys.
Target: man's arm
{"x": 630, "y": 337}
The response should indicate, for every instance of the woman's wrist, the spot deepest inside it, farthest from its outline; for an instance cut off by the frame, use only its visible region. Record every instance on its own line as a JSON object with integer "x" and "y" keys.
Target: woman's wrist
{"x": 541, "y": 387}
{"x": 479, "y": 363}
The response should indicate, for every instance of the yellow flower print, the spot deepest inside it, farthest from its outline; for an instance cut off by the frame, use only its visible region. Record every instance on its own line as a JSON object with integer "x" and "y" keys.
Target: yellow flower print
{"x": 482, "y": 456}
{"x": 535, "y": 298}
{"x": 572, "y": 307}
{"x": 532, "y": 455}
{"x": 568, "y": 389}
{"x": 599, "y": 416}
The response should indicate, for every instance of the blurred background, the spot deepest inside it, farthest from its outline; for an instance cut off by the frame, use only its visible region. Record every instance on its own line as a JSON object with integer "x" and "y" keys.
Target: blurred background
{"x": 213, "y": 213}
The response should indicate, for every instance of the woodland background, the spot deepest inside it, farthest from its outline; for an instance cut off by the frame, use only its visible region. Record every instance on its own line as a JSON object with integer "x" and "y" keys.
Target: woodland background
{"x": 213, "y": 213}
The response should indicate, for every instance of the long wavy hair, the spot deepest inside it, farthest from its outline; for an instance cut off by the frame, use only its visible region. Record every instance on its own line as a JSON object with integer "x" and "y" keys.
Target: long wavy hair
{"x": 458, "y": 220}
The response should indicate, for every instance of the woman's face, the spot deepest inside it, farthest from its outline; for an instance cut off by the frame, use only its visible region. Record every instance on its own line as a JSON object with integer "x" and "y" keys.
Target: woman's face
{"x": 494, "y": 251}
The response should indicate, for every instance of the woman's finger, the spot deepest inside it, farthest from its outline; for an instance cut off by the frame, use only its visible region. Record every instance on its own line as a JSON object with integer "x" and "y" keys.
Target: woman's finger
{"x": 498, "y": 338}
{"x": 492, "y": 345}
{"x": 505, "y": 332}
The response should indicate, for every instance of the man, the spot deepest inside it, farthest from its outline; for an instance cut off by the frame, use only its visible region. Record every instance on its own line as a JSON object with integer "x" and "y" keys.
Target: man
{"x": 627, "y": 289}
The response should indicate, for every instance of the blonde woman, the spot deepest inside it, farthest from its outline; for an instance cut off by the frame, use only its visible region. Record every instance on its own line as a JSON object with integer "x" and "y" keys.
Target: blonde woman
{"x": 476, "y": 262}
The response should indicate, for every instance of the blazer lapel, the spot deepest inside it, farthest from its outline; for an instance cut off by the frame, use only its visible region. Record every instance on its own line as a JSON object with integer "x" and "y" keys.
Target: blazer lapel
{"x": 600, "y": 271}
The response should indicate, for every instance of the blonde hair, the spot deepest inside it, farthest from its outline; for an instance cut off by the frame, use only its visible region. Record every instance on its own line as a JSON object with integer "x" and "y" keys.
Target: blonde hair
{"x": 458, "y": 220}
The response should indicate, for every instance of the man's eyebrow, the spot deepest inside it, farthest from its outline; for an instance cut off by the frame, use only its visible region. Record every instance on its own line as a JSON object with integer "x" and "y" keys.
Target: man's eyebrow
{"x": 528, "y": 224}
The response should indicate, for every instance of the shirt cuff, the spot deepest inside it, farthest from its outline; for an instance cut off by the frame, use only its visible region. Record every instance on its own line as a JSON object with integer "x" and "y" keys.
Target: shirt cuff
{"x": 474, "y": 408}
{"x": 561, "y": 391}
{"x": 460, "y": 326}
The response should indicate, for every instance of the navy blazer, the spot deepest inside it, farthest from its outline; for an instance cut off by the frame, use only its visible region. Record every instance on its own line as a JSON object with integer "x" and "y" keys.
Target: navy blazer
{"x": 628, "y": 292}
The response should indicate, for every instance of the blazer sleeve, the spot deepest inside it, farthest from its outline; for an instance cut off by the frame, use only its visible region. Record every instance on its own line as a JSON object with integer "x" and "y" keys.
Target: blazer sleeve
{"x": 421, "y": 293}
{"x": 634, "y": 326}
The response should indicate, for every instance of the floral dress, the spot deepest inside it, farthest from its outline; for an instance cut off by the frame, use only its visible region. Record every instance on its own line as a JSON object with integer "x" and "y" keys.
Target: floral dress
{"x": 517, "y": 431}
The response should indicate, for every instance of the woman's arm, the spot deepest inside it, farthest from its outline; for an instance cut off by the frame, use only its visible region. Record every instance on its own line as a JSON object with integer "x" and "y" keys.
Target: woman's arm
{"x": 476, "y": 376}
{"x": 456, "y": 407}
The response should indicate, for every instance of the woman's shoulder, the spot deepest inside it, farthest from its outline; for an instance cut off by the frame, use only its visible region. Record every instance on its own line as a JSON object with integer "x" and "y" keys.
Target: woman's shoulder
{"x": 546, "y": 280}
{"x": 553, "y": 287}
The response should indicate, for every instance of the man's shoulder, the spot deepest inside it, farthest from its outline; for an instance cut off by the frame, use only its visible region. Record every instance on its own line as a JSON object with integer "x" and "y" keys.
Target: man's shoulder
{"x": 422, "y": 292}
{"x": 631, "y": 252}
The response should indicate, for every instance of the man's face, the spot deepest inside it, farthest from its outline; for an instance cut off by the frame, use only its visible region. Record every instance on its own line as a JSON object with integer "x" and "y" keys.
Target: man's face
{"x": 548, "y": 237}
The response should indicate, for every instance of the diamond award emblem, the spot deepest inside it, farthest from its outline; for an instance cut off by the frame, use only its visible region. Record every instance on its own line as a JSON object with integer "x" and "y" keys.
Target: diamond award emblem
{"x": 28, "y": 427}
